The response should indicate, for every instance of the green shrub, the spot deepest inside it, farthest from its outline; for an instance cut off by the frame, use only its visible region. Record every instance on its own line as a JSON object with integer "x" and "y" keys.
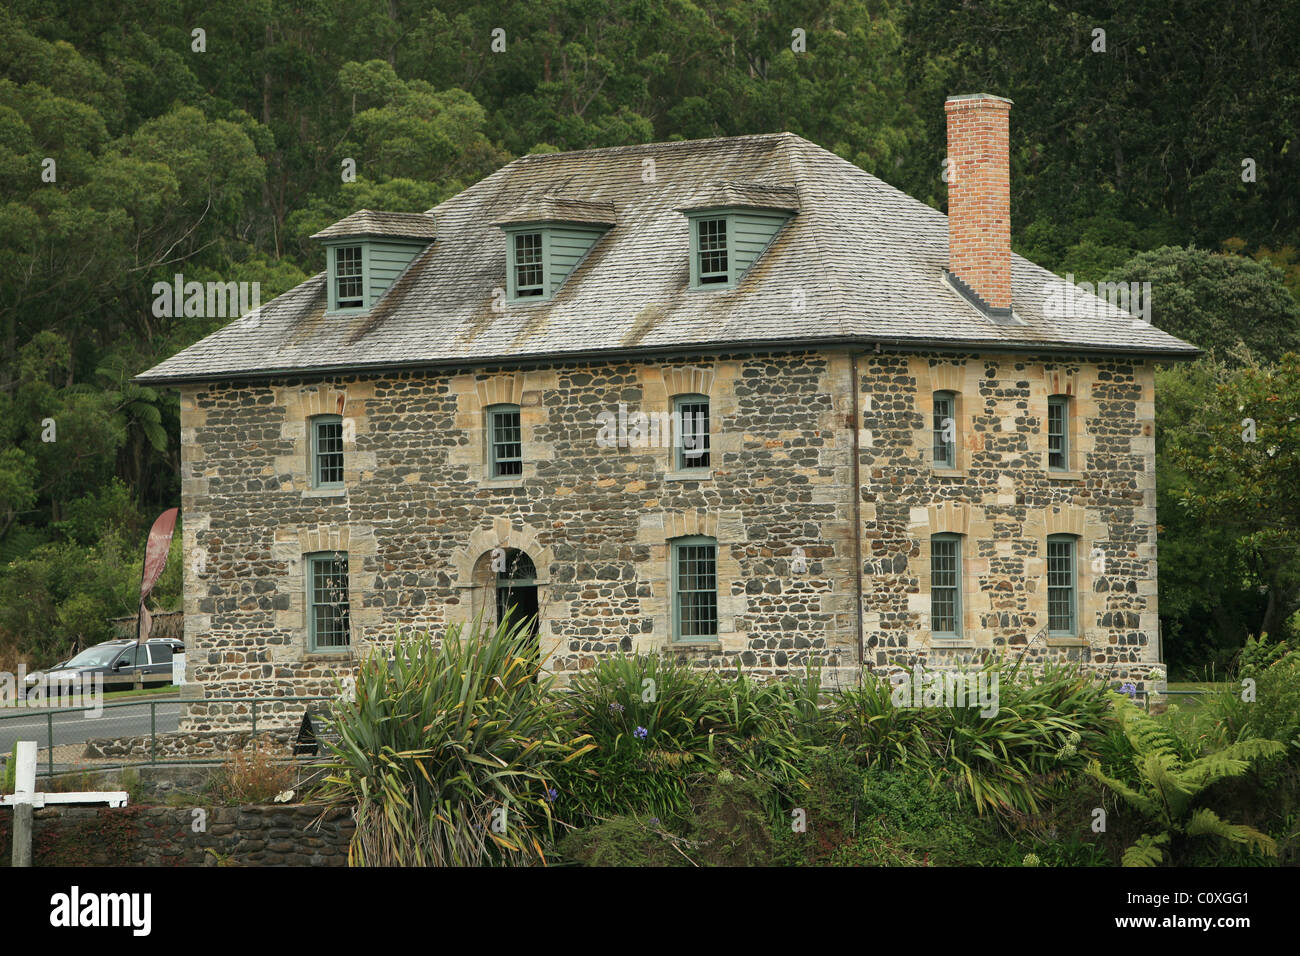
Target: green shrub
{"x": 625, "y": 841}
{"x": 767, "y": 730}
{"x": 1258, "y": 655}
{"x": 649, "y": 720}
{"x": 1046, "y": 723}
{"x": 447, "y": 753}
{"x": 731, "y": 825}
{"x": 1168, "y": 787}
{"x": 9, "y": 779}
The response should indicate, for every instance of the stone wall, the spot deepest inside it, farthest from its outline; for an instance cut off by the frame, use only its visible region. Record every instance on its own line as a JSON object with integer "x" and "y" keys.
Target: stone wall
{"x": 1004, "y": 502}
{"x": 419, "y": 519}
{"x": 166, "y": 836}
{"x": 188, "y": 745}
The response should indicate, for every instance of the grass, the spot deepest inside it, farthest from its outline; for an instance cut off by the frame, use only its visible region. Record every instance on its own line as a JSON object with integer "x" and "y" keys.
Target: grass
{"x": 144, "y": 692}
{"x": 112, "y": 695}
{"x": 1193, "y": 692}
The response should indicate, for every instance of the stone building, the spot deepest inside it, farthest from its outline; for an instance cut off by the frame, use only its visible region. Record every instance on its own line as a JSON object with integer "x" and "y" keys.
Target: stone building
{"x": 732, "y": 398}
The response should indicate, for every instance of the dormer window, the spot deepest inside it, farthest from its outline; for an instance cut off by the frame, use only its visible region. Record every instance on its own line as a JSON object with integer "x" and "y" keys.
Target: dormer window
{"x": 367, "y": 251}
{"x": 731, "y": 225}
{"x": 711, "y": 247}
{"x": 546, "y": 239}
{"x": 528, "y": 268}
{"x": 348, "y": 277}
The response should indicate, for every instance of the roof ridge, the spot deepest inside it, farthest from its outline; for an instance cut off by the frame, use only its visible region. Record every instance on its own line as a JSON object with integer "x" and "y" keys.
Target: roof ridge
{"x": 664, "y": 145}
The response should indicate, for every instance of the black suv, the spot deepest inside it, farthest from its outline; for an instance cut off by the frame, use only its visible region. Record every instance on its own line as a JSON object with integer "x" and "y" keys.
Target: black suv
{"x": 121, "y": 658}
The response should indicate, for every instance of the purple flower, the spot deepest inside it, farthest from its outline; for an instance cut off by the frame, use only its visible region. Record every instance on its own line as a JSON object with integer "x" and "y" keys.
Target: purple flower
{"x": 551, "y": 794}
{"x": 616, "y": 708}
{"x": 1130, "y": 689}
{"x": 640, "y": 733}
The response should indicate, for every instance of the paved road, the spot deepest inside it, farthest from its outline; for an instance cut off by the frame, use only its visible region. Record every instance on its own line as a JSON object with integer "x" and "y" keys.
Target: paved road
{"x": 18, "y": 723}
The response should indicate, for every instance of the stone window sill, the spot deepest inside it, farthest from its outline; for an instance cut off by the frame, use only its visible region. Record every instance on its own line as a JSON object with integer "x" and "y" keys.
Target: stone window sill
{"x": 500, "y": 484}
{"x": 701, "y": 474}
{"x": 1066, "y": 475}
{"x": 330, "y": 655}
{"x": 956, "y": 642}
{"x": 948, "y": 472}
{"x": 1067, "y": 642}
{"x": 325, "y": 493}
{"x": 695, "y": 646}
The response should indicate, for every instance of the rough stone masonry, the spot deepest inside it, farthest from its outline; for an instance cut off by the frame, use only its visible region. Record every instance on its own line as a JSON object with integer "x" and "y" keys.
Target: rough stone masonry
{"x": 418, "y": 521}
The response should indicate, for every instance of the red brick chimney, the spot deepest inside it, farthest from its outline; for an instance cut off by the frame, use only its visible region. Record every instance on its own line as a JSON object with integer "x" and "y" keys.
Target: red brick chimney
{"x": 979, "y": 198}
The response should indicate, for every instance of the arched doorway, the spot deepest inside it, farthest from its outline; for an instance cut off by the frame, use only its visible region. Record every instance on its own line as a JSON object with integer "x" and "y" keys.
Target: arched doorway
{"x": 515, "y": 583}
{"x": 515, "y": 587}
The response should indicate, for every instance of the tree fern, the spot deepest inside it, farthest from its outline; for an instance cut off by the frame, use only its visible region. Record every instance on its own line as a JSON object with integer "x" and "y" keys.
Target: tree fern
{"x": 1167, "y": 787}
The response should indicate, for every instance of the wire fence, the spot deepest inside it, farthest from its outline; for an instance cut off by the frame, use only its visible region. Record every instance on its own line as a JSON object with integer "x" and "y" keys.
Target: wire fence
{"x": 159, "y": 730}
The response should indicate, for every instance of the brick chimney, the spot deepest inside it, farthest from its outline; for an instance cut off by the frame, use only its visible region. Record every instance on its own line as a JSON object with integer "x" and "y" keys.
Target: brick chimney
{"x": 979, "y": 199}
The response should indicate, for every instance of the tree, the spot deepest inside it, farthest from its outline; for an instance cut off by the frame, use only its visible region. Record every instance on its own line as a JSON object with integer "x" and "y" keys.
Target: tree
{"x": 1216, "y": 301}
{"x": 1240, "y": 455}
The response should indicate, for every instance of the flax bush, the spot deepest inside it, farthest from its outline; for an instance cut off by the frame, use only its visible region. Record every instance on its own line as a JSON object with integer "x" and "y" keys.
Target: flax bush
{"x": 447, "y": 753}
{"x": 1047, "y": 722}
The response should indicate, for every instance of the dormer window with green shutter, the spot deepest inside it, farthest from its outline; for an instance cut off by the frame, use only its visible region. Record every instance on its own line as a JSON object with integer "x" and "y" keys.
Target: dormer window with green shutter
{"x": 546, "y": 239}
{"x": 731, "y": 225}
{"x": 366, "y": 252}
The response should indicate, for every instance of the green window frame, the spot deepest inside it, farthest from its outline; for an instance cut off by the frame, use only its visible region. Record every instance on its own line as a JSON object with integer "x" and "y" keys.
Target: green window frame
{"x": 945, "y": 586}
{"x": 327, "y": 451}
{"x": 691, "y": 426}
{"x": 712, "y": 250}
{"x": 1058, "y": 432}
{"x": 695, "y": 589}
{"x": 528, "y": 265}
{"x": 945, "y": 452}
{"x": 348, "y": 278}
{"x": 505, "y": 442}
{"x": 1062, "y": 586}
{"x": 329, "y": 622}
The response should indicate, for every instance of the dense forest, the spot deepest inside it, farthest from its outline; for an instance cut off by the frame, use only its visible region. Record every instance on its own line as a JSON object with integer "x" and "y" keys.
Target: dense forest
{"x": 1150, "y": 141}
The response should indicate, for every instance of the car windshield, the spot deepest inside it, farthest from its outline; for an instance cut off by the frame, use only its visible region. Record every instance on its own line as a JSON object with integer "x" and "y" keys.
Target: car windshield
{"x": 100, "y": 656}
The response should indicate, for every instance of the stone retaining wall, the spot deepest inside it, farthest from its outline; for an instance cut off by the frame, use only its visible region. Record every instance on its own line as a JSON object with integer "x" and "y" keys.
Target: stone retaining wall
{"x": 184, "y": 836}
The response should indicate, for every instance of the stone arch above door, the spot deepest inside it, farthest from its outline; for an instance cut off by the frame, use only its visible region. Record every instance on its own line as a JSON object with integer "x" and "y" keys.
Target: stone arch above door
{"x": 468, "y": 562}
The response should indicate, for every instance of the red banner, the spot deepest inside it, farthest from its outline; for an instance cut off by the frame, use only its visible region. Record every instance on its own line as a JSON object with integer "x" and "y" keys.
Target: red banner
{"x": 155, "y": 559}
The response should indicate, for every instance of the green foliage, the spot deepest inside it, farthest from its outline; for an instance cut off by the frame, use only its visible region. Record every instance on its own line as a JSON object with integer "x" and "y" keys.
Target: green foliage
{"x": 694, "y": 723}
{"x": 1008, "y": 761}
{"x": 447, "y": 752}
{"x": 1259, "y": 654}
{"x": 10, "y": 772}
{"x": 1217, "y": 301}
{"x": 877, "y": 817}
{"x": 1168, "y": 785}
{"x": 1273, "y": 711}
{"x": 1238, "y": 455}
{"x": 635, "y": 773}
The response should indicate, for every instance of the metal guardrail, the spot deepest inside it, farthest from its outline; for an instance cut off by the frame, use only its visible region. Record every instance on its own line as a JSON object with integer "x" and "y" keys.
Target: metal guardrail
{"x": 51, "y": 712}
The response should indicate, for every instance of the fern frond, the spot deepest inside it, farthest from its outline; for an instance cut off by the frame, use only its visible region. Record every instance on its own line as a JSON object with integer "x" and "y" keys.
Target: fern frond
{"x": 1232, "y": 761}
{"x": 1208, "y": 823}
{"x": 1147, "y": 851}
{"x": 1139, "y": 801}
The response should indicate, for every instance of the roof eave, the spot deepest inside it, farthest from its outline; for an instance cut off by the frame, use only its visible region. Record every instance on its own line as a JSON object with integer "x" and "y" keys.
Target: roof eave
{"x": 863, "y": 342}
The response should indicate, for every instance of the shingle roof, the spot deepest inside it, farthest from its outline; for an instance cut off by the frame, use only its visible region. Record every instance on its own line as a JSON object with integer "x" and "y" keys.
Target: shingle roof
{"x": 368, "y": 222}
{"x": 553, "y": 209}
{"x": 722, "y": 195}
{"x": 859, "y": 262}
